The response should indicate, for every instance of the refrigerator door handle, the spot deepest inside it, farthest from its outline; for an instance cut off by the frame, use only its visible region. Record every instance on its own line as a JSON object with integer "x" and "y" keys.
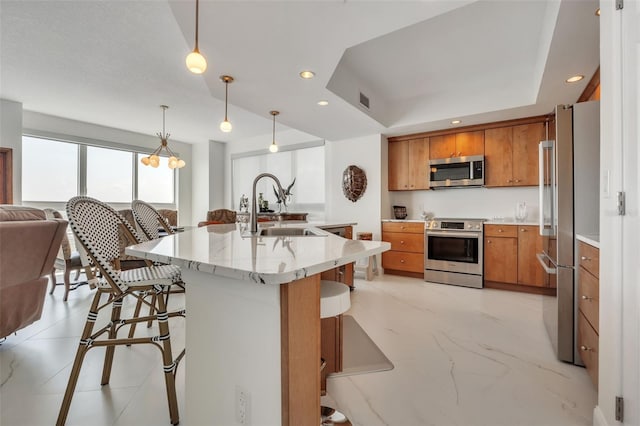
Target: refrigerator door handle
{"x": 541, "y": 258}
{"x": 544, "y": 174}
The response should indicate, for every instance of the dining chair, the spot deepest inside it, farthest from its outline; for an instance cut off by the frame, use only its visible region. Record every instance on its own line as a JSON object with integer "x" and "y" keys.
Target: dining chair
{"x": 67, "y": 260}
{"x": 96, "y": 226}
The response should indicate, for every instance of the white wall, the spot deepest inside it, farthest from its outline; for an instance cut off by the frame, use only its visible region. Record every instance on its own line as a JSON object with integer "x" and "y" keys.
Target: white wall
{"x": 366, "y": 153}
{"x": 11, "y": 137}
{"x": 108, "y": 136}
{"x": 482, "y": 203}
{"x": 208, "y": 182}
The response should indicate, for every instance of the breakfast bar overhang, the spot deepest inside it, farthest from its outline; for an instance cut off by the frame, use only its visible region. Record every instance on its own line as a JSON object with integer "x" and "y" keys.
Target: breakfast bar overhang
{"x": 253, "y": 319}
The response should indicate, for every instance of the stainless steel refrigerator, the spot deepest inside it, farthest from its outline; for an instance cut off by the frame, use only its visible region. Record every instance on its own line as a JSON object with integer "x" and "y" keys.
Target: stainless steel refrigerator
{"x": 569, "y": 205}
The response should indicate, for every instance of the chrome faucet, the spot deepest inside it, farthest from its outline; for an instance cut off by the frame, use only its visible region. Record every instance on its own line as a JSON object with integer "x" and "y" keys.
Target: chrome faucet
{"x": 254, "y": 211}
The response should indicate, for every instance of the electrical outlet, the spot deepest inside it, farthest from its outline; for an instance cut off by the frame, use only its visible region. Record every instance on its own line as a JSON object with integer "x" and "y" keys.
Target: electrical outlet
{"x": 243, "y": 406}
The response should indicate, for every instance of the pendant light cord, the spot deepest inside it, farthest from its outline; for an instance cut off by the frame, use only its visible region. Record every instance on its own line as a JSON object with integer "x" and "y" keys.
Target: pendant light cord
{"x": 274, "y": 128}
{"x": 226, "y": 97}
{"x": 197, "y": 15}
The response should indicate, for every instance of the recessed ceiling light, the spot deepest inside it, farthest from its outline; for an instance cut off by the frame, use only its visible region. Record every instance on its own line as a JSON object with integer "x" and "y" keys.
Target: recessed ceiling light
{"x": 307, "y": 74}
{"x": 456, "y": 121}
{"x": 574, "y": 78}
{"x": 598, "y": 12}
{"x": 323, "y": 103}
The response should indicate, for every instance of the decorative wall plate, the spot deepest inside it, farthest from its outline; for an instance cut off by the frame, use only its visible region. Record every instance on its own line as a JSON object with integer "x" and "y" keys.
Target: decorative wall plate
{"x": 354, "y": 182}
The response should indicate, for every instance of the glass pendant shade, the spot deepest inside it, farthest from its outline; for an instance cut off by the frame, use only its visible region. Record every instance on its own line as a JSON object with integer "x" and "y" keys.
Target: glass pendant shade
{"x": 226, "y": 126}
{"x": 196, "y": 63}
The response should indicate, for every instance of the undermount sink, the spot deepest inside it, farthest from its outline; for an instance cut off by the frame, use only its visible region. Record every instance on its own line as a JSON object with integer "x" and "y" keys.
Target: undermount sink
{"x": 288, "y": 232}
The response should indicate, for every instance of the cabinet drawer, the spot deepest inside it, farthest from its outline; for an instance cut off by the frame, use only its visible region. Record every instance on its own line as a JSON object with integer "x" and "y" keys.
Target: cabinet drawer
{"x": 405, "y": 242}
{"x": 588, "y": 346}
{"x": 403, "y": 261}
{"x": 588, "y": 298}
{"x": 589, "y": 258}
{"x": 410, "y": 227}
{"x": 500, "y": 231}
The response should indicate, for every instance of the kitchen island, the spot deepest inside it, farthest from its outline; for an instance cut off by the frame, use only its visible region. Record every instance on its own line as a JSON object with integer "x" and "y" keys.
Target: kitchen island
{"x": 253, "y": 319}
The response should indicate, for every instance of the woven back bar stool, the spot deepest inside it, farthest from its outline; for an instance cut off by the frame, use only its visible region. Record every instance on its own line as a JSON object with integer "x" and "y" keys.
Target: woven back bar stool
{"x": 149, "y": 219}
{"x": 96, "y": 225}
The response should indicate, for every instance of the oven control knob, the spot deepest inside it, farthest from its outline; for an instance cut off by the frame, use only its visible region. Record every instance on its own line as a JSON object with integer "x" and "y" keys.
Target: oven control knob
{"x": 477, "y": 226}
{"x": 469, "y": 226}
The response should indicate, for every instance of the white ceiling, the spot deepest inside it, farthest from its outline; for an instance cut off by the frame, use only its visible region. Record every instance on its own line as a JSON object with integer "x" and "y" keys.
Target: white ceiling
{"x": 421, "y": 63}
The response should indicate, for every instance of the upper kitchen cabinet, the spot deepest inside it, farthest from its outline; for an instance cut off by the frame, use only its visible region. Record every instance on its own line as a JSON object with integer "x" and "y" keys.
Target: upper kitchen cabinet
{"x": 511, "y": 154}
{"x": 408, "y": 164}
{"x": 456, "y": 145}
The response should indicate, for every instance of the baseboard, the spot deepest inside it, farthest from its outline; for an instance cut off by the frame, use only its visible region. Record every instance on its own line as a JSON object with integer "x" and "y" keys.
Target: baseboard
{"x": 598, "y": 417}
{"x": 404, "y": 273}
{"x": 520, "y": 288}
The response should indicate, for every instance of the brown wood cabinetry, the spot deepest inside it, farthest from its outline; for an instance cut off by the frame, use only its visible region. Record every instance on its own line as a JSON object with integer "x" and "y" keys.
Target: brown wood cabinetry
{"x": 500, "y": 253}
{"x": 511, "y": 155}
{"x": 456, "y": 145}
{"x": 589, "y": 307}
{"x": 406, "y": 256}
{"x": 510, "y": 255}
{"x": 529, "y": 270}
{"x": 409, "y": 164}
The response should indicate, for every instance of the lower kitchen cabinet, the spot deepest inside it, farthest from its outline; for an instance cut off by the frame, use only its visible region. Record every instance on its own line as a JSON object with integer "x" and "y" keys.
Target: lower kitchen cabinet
{"x": 406, "y": 256}
{"x": 589, "y": 308}
{"x": 510, "y": 256}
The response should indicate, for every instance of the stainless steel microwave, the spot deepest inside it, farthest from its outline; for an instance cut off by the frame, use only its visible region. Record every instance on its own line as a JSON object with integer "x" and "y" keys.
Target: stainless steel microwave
{"x": 456, "y": 172}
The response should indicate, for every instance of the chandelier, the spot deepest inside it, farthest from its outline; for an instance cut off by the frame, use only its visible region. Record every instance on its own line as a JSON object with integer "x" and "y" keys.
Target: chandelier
{"x": 153, "y": 159}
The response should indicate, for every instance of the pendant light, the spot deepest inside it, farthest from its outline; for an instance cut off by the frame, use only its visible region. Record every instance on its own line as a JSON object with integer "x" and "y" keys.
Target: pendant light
{"x": 196, "y": 63}
{"x": 153, "y": 160}
{"x": 274, "y": 147}
{"x": 226, "y": 126}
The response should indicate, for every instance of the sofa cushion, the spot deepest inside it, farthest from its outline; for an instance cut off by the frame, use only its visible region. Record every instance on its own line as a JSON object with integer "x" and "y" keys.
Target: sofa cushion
{"x": 10, "y": 213}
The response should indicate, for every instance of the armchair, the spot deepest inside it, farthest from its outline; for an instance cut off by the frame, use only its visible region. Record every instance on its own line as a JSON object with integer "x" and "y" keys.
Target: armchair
{"x": 28, "y": 247}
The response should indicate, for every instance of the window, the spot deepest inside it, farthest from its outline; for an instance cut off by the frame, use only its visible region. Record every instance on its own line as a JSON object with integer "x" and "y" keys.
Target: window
{"x": 49, "y": 170}
{"x": 156, "y": 185}
{"x": 109, "y": 175}
{"x": 305, "y": 165}
{"x": 54, "y": 171}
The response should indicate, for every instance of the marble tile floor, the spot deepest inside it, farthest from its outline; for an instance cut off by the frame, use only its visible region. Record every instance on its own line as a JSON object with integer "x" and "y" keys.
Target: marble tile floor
{"x": 462, "y": 357}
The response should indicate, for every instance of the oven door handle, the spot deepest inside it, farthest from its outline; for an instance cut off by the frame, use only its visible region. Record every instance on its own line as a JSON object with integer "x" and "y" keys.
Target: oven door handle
{"x": 541, "y": 258}
{"x": 453, "y": 234}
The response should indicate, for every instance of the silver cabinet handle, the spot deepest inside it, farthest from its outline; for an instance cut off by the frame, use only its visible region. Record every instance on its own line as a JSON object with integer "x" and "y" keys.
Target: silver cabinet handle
{"x": 401, "y": 242}
{"x": 488, "y": 241}
{"x": 587, "y": 298}
{"x": 401, "y": 260}
{"x": 585, "y": 258}
{"x": 523, "y": 230}
{"x": 586, "y": 348}
{"x": 509, "y": 180}
{"x": 499, "y": 230}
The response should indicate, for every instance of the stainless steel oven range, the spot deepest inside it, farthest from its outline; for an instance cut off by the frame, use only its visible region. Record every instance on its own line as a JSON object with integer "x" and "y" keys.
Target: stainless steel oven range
{"x": 453, "y": 252}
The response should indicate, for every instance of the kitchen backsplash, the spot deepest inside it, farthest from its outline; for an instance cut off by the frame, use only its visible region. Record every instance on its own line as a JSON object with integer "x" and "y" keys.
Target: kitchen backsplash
{"x": 487, "y": 203}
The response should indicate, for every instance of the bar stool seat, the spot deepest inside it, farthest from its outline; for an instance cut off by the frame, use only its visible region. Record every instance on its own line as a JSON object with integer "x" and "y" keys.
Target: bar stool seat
{"x": 334, "y": 298}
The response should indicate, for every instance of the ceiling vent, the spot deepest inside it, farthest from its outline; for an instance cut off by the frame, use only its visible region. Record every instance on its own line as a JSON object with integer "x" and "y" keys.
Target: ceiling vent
{"x": 364, "y": 101}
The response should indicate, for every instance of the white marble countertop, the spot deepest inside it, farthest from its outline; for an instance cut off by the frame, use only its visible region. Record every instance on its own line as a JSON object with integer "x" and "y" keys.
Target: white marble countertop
{"x": 222, "y": 250}
{"x": 326, "y": 225}
{"x": 403, "y": 220}
{"x": 509, "y": 221}
{"x": 591, "y": 239}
